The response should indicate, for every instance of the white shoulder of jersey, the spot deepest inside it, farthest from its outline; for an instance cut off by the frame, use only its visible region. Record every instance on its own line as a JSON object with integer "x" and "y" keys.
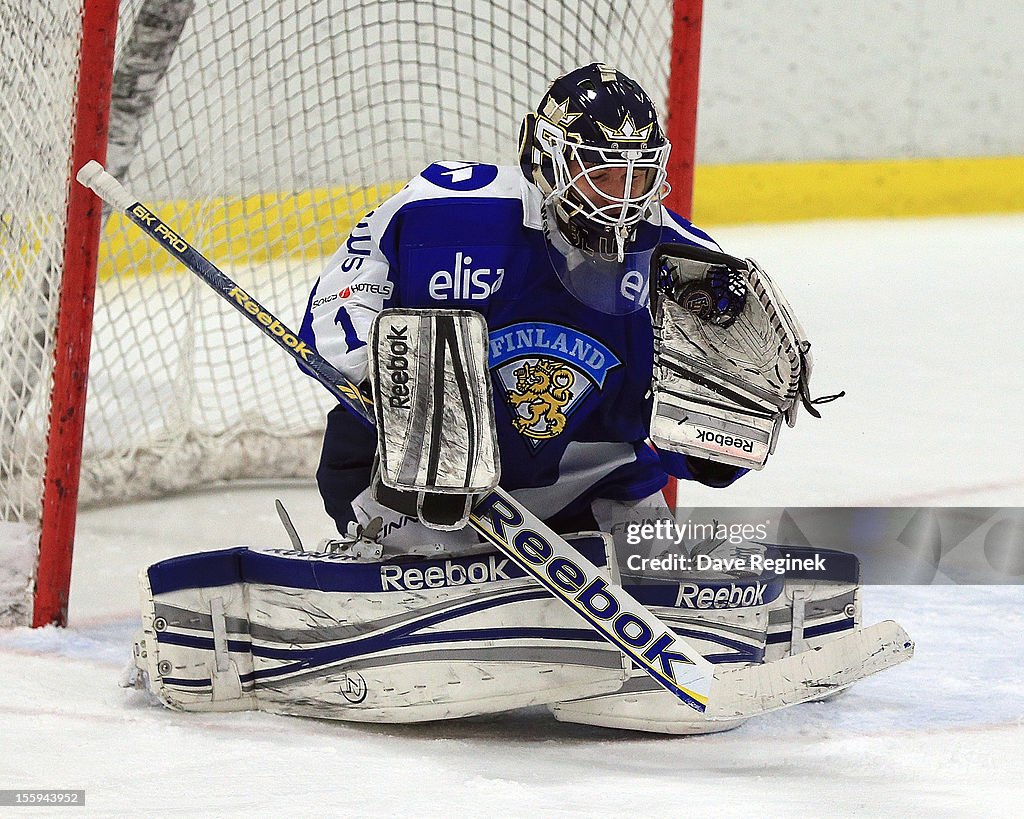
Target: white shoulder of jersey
{"x": 456, "y": 180}
{"x": 356, "y": 280}
{"x": 687, "y": 231}
{"x": 459, "y": 180}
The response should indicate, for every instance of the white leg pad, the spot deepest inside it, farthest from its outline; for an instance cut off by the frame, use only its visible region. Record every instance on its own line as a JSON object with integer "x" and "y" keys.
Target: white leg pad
{"x": 727, "y": 620}
{"x": 400, "y": 641}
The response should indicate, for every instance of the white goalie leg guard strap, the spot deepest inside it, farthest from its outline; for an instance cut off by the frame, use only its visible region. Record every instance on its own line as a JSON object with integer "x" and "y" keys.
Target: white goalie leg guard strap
{"x": 814, "y": 608}
{"x": 394, "y": 641}
{"x": 195, "y": 643}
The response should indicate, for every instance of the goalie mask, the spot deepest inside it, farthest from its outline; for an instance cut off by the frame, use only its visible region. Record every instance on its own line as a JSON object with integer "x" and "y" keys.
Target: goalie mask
{"x": 596, "y": 151}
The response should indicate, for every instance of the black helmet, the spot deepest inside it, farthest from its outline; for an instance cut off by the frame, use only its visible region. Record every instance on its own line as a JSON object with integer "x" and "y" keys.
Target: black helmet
{"x": 595, "y": 149}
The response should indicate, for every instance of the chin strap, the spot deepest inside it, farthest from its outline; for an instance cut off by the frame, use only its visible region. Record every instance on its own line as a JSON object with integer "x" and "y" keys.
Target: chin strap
{"x": 621, "y": 234}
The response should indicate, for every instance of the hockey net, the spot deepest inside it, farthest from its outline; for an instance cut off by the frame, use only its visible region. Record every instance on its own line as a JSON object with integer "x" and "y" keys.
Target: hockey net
{"x": 263, "y": 130}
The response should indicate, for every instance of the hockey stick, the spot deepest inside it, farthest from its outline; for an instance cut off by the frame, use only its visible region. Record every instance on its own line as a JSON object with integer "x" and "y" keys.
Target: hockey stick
{"x": 543, "y": 554}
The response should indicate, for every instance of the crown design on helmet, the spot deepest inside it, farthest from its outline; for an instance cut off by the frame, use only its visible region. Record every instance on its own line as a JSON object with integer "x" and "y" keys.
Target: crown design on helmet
{"x": 627, "y": 132}
{"x": 558, "y": 113}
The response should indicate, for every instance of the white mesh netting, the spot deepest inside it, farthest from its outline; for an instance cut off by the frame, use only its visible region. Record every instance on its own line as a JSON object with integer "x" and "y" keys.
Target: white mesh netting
{"x": 36, "y": 59}
{"x": 274, "y": 128}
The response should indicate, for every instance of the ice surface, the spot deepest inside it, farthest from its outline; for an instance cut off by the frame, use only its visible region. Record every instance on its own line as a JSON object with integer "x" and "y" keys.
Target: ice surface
{"x": 915, "y": 319}
{"x": 17, "y": 560}
{"x": 941, "y": 735}
{"x": 919, "y": 321}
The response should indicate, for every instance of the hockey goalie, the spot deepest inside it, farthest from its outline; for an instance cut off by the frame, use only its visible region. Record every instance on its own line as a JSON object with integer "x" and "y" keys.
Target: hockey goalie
{"x": 553, "y": 328}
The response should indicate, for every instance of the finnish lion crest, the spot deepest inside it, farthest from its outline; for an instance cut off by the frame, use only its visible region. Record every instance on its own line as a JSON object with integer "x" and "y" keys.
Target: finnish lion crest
{"x": 542, "y": 390}
{"x": 546, "y": 373}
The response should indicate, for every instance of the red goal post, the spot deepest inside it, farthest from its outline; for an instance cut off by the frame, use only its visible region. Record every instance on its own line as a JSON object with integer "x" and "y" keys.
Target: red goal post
{"x": 337, "y": 109}
{"x": 73, "y": 337}
{"x": 681, "y": 121}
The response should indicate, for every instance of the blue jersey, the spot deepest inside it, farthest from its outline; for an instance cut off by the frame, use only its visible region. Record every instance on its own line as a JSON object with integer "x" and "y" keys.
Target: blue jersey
{"x": 571, "y": 384}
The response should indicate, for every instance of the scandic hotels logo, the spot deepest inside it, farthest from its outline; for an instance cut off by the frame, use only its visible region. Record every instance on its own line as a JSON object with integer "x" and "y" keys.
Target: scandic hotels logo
{"x": 382, "y": 289}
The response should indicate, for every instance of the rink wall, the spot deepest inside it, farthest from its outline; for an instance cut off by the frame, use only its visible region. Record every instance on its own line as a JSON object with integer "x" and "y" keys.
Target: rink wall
{"x": 809, "y": 109}
{"x": 868, "y": 108}
{"x": 795, "y": 191}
